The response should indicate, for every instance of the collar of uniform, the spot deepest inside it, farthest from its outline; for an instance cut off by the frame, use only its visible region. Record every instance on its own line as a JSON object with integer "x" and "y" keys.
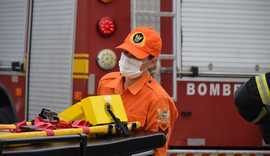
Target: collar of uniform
{"x": 116, "y": 83}
{"x": 137, "y": 86}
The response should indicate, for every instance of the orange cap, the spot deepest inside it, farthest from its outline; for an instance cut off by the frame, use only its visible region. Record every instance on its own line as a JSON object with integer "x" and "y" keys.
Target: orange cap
{"x": 142, "y": 42}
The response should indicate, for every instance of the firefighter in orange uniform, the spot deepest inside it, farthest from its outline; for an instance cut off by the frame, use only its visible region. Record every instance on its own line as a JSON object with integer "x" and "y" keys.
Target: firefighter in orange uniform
{"x": 144, "y": 99}
{"x": 252, "y": 100}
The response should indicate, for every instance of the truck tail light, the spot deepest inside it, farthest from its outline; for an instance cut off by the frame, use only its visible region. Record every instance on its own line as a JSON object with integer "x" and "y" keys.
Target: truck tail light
{"x": 18, "y": 92}
{"x": 77, "y": 95}
{"x": 106, "y": 26}
{"x": 106, "y": 1}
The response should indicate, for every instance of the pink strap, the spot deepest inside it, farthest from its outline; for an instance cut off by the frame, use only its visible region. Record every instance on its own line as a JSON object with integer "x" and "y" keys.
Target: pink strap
{"x": 6, "y": 128}
{"x": 82, "y": 124}
{"x": 17, "y": 129}
{"x": 48, "y": 126}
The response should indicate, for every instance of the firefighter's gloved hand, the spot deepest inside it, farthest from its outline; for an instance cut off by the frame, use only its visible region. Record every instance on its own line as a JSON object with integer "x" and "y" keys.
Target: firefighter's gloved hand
{"x": 265, "y": 130}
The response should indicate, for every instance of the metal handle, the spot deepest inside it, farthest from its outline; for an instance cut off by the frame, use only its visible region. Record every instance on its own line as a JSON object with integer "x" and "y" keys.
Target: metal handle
{"x": 5, "y": 68}
{"x": 15, "y": 66}
{"x": 117, "y": 121}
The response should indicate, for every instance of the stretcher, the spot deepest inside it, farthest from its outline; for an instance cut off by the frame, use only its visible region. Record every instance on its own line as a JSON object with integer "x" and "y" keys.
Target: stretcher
{"x": 108, "y": 130}
{"x": 79, "y": 144}
{"x": 105, "y": 113}
{"x": 94, "y": 130}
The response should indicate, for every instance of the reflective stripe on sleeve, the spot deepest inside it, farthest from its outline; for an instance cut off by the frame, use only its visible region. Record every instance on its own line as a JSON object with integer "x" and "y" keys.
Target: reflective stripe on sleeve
{"x": 263, "y": 89}
{"x": 260, "y": 116}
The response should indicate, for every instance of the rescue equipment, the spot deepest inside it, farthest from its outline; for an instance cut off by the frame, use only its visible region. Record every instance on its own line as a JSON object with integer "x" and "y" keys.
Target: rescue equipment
{"x": 101, "y": 129}
{"x": 94, "y": 110}
{"x": 104, "y": 115}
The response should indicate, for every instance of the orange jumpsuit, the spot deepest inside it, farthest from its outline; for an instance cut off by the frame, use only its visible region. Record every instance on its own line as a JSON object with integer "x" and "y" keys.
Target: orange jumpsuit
{"x": 145, "y": 101}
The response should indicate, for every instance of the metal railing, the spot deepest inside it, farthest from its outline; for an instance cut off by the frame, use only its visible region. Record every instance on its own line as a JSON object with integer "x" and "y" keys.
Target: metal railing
{"x": 15, "y": 66}
{"x": 218, "y": 74}
{"x": 209, "y": 74}
{"x": 9, "y": 68}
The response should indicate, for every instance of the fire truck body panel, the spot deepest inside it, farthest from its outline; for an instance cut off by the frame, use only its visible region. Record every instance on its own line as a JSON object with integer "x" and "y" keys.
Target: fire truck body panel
{"x": 90, "y": 42}
{"x": 220, "y": 38}
{"x": 209, "y": 49}
{"x": 225, "y": 36}
{"x": 13, "y": 83}
{"x": 209, "y": 118}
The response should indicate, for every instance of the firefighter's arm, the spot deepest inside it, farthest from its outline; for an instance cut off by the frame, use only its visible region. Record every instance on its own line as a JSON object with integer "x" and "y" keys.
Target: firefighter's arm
{"x": 161, "y": 117}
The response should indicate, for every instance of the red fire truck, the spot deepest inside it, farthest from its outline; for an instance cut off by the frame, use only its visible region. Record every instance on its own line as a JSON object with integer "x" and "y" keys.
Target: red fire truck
{"x": 53, "y": 53}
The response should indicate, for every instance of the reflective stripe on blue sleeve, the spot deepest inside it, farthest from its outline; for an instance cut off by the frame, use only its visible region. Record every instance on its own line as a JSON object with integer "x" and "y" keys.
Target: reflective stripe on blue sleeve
{"x": 263, "y": 89}
{"x": 260, "y": 116}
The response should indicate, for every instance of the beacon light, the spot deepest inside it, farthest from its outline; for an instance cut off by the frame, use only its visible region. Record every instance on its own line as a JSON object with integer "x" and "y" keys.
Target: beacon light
{"x": 106, "y": 1}
{"x": 106, "y": 26}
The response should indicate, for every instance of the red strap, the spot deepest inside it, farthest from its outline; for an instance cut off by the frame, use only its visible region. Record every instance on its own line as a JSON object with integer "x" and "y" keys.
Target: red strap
{"x": 42, "y": 125}
{"x": 82, "y": 124}
{"x": 49, "y": 132}
{"x": 17, "y": 129}
{"x": 7, "y": 128}
{"x": 48, "y": 126}
{"x": 63, "y": 125}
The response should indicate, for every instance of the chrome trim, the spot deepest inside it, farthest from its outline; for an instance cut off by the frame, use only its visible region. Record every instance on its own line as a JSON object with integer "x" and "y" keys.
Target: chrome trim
{"x": 218, "y": 74}
{"x": 152, "y": 13}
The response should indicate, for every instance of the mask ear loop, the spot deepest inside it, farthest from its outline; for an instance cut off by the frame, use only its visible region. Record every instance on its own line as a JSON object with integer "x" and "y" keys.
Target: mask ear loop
{"x": 146, "y": 61}
{"x": 145, "y": 68}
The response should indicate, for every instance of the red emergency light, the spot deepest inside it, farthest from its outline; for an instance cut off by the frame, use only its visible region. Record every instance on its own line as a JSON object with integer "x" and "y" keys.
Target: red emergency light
{"x": 106, "y": 1}
{"x": 106, "y": 26}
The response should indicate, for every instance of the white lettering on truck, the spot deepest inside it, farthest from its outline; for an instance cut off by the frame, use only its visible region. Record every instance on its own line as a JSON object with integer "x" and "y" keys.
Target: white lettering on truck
{"x": 214, "y": 89}
{"x": 190, "y": 88}
{"x": 202, "y": 86}
{"x": 226, "y": 89}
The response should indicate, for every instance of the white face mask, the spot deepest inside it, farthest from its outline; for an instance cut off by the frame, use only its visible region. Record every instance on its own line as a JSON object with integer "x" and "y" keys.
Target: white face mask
{"x": 130, "y": 68}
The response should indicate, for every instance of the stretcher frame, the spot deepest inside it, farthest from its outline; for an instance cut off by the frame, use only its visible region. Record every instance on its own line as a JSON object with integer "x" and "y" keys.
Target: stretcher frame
{"x": 79, "y": 144}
